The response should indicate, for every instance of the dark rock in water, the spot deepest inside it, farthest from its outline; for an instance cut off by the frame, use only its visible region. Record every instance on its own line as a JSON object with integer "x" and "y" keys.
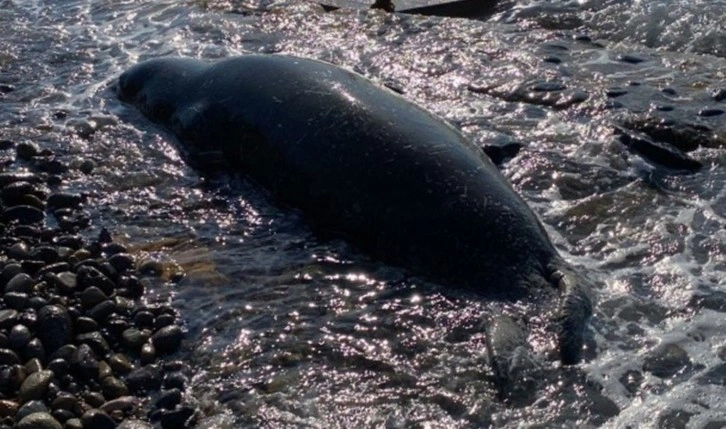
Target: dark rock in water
{"x": 55, "y": 327}
{"x": 87, "y": 166}
{"x": 24, "y": 215}
{"x": 50, "y": 165}
{"x": 716, "y": 375}
{"x": 175, "y": 380}
{"x": 667, "y": 360}
{"x": 168, "y": 339}
{"x": 664, "y": 108}
{"x": 6, "y": 88}
{"x": 169, "y": 399}
{"x": 88, "y": 276}
{"x": 658, "y": 153}
{"x": 64, "y": 200}
{"x": 121, "y": 262}
{"x": 682, "y": 135}
{"x": 176, "y": 419}
{"x": 499, "y": 154}
{"x": 6, "y": 144}
{"x": 719, "y": 94}
{"x": 14, "y": 191}
{"x": 615, "y": 92}
{"x": 707, "y": 113}
{"x": 97, "y": 419}
{"x": 26, "y": 151}
{"x": 674, "y": 419}
{"x": 548, "y": 86}
{"x": 714, "y": 300}
{"x": 630, "y": 59}
{"x": 669, "y": 91}
{"x": 552, "y": 59}
{"x": 144, "y": 379}
{"x": 6, "y": 178}
{"x": 38, "y": 421}
{"x": 134, "y": 424}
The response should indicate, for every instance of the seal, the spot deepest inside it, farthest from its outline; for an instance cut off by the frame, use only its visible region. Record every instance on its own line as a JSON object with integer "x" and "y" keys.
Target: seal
{"x": 362, "y": 163}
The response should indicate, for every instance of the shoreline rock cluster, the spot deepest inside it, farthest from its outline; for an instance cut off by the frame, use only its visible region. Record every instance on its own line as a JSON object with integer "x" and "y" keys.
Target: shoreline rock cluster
{"x": 78, "y": 347}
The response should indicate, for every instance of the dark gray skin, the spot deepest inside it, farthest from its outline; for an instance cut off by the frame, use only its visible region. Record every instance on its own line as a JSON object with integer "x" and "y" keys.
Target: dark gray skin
{"x": 364, "y": 164}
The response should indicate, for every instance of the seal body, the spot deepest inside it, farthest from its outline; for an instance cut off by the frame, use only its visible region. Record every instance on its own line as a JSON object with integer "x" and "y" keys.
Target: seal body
{"x": 364, "y": 164}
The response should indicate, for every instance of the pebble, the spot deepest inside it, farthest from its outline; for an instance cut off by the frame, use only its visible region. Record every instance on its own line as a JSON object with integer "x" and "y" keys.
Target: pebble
{"x": 31, "y": 407}
{"x": 121, "y": 262}
{"x": 126, "y": 404}
{"x": 26, "y": 151}
{"x": 96, "y": 341}
{"x": 134, "y": 338}
{"x": 22, "y": 283}
{"x": 176, "y": 419}
{"x": 169, "y": 399}
{"x": 144, "y": 379}
{"x": 64, "y": 200}
{"x": 113, "y": 388}
{"x": 97, "y": 419}
{"x": 8, "y": 408}
{"x": 55, "y": 327}
{"x": 35, "y": 386}
{"x": 707, "y": 113}
{"x": 92, "y": 296}
{"x": 630, "y": 59}
{"x": 19, "y": 336}
{"x": 38, "y": 421}
{"x": 134, "y": 424}
{"x": 74, "y": 424}
{"x": 102, "y": 310}
{"x": 666, "y": 360}
{"x": 167, "y": 339}
{"x": 719, "y": 94}
{"x": 23, "y": 215}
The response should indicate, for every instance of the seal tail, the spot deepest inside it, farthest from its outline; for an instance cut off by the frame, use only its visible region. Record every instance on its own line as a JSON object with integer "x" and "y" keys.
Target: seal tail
{"x": 574, "y": 311}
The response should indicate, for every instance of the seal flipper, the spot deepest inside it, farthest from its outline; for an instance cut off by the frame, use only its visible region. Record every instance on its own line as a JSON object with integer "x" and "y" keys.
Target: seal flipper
{"x": 574, "y": 311}
{"x": 515, "y": 370}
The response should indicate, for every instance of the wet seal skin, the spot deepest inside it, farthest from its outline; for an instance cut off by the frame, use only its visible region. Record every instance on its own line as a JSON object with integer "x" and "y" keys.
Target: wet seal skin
{"x": 364, "y": 164}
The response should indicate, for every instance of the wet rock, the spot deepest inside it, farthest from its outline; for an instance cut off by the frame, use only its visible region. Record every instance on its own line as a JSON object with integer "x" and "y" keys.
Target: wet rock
{"x": 97, "y": 419}
{"x": 31, "y": 407}
{"x": 92, "y": 296}
{"x": 719, "y": 94}
{"x": 55, "y": 327}
{"x": 8, "y": 357}
{"x": 16, "y": 300}
{"x": 119, "y": 363}
{"x": 23, "y": 215}
{"x": 168, "y": 339}
{"x": 8, "y": 408}
{"x": 658, "y": 153}
{"x": 65, "y": 282}
{"x": 144, "y": 319}
{"x": 163, "y": 321}
{"x": 84, "y": 362}
{"x": 144, "y": 379}
{"x": 26, "y": 151}
{"x": 14, "y": 191}
{"x": 169, "y": 399}
{"x": 102, "y": 310}
{"x": 131, "y": 287}
{"x": 74, "y": 423}
{"x": 7, "y": 178}
{"x": 552, "y": 59}
{"x": 707, "y": 113}
{"x": 134, "y": 424}
{"x": 113, "y": 388}
{"x": 60, "y": 367}
{"x": 62, "y": 200}
{"x": 134, "y": 338}
{"x": 87, "y": 166}
{"x": 615, "y": 92}
{"x": 19, "y": 336}
{"x": 35, "y": 386}
{"x": 667, "y": 360}
{"x": 630, "y": 59}
{"x": 669, "y": 91}
{"x": 121, "y": 262}
{"x": 674, "y": 419}
{"x": 716, "y": 375}
{"x": 22, "y": 283}
{"x": 34, "y": 349}
{"x": 88, "y": 276}
{"x": 38, "y": 421}
{"x": 177, "y": 418}
{"x": 95, "y": 341}
{"x": 86, "y": 324}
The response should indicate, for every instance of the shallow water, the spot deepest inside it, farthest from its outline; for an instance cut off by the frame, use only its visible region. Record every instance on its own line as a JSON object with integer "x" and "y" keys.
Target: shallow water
{"x": 288, "y": 330}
